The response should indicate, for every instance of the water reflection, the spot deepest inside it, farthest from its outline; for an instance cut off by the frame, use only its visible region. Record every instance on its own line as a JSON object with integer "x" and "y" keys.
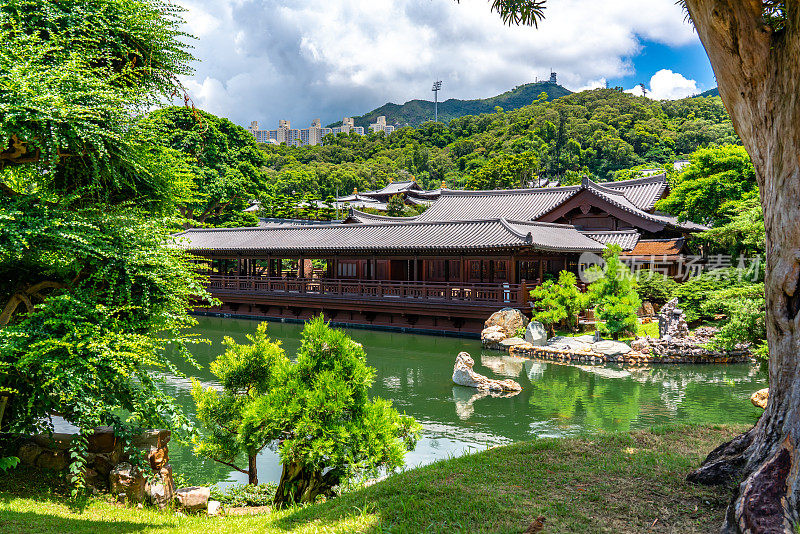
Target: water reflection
{"x": 414, "y": 372}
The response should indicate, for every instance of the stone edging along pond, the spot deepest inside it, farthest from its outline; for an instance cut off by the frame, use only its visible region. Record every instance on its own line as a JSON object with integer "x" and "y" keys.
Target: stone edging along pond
{"x": 668, "y": 353}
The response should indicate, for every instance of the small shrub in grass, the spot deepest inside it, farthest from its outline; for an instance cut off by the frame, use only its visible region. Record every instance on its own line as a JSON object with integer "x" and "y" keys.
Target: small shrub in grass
{"x": 245, "y": 494}
{"x": 654, "y": 286}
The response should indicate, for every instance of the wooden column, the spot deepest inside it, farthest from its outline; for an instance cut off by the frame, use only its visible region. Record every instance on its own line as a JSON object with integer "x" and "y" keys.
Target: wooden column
{"x": 416, "y": 269}
{"x": 541, "y": 270}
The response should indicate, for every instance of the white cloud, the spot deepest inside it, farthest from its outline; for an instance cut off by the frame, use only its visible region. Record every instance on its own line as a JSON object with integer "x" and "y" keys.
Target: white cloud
{"x": 668, "y": 85}
{"x": 270, "y": 59}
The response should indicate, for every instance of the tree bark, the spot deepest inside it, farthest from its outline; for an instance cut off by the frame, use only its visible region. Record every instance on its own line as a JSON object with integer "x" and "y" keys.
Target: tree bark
{"x": 252, "y": 470}
{"x": 300, "y": 484}
{"x": 758, "y": 73}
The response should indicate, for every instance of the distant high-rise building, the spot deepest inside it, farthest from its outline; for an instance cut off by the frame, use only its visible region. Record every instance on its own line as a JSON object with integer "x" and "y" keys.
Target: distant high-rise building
{"x": 381, "y": 126}
{"x": 303, "y": 136}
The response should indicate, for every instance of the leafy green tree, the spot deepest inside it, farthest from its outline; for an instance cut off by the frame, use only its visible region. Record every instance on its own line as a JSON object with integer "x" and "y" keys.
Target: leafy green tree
{"x": 320, "y": 413}
{"x": 743, "y": 232}
{"x": 614, "y": 295}
{"x": 715, "y": 176}
{"x": 91, "y": 290}
{"x": 246, "y": 372}
{"x": 396, "y": 207}
{"x": 654, "y": 286}
{"x": 557, "y": 302}
{"x": 222, "y": 158}
{"x": 506, "y": 171}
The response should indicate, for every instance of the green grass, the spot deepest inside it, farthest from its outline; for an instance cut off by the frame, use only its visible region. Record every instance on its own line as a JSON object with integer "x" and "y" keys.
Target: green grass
{"x": 606, "y": 483}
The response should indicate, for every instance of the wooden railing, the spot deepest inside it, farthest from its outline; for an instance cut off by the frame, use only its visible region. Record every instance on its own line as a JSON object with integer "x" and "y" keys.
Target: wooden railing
{"x": 496, "y": 293}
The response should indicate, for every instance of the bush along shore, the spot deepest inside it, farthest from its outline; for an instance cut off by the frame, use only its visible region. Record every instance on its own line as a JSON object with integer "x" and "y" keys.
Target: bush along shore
{"x": 616, "y": 482}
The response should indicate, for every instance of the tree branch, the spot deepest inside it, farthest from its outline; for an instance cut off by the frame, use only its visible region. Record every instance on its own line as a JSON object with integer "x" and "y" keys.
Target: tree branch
{"x": 232, "y": 466}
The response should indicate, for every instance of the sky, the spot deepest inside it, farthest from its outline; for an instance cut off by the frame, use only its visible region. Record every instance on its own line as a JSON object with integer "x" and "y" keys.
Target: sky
{"x": 265, "y": 60}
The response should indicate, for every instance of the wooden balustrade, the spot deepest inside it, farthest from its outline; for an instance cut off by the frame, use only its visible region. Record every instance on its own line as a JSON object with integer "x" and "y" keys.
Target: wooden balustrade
{"x": 386, "y": 290}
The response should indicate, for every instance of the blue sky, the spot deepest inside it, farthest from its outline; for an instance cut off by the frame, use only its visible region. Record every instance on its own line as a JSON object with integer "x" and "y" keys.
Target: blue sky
{"x": 690, "y": 60}
{"x": 265, "y": 60}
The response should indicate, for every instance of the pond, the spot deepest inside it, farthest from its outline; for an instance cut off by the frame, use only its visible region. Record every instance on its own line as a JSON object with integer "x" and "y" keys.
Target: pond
{"x": 414, "y": 372}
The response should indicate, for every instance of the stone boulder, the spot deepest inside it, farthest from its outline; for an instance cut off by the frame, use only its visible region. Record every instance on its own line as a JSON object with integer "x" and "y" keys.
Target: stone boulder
{"x": 535, "y": 334}
{"x": 193, "y": 499}
{"x": 127, "y": 480}
{"x": 161, "y": 492}
{"x": 569, "y": 343}
{"x": 214, "y": 507}
{"x": 493, "y": 335}
{"x": 463, "y": 375}
{"x": 760, "y": 398}
{"x": 611, "y": 348}
{"x": 510, "y": 342}
{"x": 509, "y": 319}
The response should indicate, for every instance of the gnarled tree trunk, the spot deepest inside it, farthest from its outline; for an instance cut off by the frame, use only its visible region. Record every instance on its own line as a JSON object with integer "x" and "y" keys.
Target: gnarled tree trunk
{"x": 300, "y": 484}
{"x": 758, "y": 73}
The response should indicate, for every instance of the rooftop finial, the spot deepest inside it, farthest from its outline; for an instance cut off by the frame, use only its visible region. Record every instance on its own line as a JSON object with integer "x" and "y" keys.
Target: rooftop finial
{"x": 355, "y": 190}
{"x": 444, "y": 185}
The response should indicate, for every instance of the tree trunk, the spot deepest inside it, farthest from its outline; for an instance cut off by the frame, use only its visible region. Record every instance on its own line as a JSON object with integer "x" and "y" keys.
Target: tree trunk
{"x": 758, "y": 72}
{"x": 299, "y": 484}
{"x": 252, "y": 470}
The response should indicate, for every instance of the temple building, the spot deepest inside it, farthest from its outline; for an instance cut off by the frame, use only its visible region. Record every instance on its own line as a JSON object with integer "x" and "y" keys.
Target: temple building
{"x": 445, "y": 270}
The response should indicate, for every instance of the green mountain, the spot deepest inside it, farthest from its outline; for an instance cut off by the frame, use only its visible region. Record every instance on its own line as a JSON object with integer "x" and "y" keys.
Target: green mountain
{"x": 710, "y": 92}
{"x": 415, "y": 112}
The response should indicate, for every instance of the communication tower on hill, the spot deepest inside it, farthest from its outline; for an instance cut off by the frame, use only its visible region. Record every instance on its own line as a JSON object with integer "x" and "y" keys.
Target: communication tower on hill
{"x": 553, "y": 78}
{"x": 437, "y": 85}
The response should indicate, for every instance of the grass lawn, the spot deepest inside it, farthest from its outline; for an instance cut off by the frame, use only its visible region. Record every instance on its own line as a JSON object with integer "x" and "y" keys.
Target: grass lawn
{"x": 605, "y": 483}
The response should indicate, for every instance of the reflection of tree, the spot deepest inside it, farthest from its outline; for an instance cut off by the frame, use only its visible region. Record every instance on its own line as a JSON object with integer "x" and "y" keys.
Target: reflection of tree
{"x": 593, "y": 402}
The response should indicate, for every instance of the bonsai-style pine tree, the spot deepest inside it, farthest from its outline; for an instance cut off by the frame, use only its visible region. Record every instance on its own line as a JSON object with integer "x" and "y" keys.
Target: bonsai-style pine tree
{"x": 316, "y": 409}
{"x": 615, "y": 297}
{"x": 559, "y": 301}
{"x": 396, "y": 207}
{"x": 246, "y": 372}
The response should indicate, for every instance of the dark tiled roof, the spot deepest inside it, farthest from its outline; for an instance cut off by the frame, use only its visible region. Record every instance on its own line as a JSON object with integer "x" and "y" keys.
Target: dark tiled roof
{"x": 626, "y": 239}
{"x": 519, "y": 204}
{"x": 356, "y": 216}
{"x": 642, "y": 192}
{"x": 440, "y": 235}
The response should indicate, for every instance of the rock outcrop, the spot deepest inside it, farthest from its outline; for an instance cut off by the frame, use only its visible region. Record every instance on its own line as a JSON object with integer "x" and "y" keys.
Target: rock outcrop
{"x": 493, "y": 335}
{"x": 509, "y": 319}
{"x": 194, "y": 498}
{"x": 127, "y": 483}
{"x": 672, "y": 321}
{"x": 760, "y": 398}
{"x": 463, "y": 375}
{"x": 535, "y": 334}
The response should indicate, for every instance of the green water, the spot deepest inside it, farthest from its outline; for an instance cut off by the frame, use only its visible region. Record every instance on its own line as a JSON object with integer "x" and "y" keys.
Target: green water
{"x": 414, "y": 371}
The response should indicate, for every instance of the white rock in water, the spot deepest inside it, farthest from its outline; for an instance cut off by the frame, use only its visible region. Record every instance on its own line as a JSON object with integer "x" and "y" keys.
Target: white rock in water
{"x": 463, "y": 375}
{"x": 535, "y": 334}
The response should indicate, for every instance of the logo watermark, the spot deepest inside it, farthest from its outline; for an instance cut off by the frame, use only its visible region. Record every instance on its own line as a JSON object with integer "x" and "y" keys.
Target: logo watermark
{"x": 592, "y": 267}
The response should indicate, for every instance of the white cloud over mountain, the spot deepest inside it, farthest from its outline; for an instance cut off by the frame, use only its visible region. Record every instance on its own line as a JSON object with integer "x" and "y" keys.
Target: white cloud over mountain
{"x": 668, "y": 85}
{"x": 270, "y": 59}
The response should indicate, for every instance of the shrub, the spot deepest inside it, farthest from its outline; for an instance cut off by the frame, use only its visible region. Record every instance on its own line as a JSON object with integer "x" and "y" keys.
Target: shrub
{"x": 557, "y": 302}
{"x": 317, "y": 410}
{"x": 615, "y": 297}
{"x": 654, "y": 286}
{"x": 746, "y": 324}
{"x": 245, "y": 494}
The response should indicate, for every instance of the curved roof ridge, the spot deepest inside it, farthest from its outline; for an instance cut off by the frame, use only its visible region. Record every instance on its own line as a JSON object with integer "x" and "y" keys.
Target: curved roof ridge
{"x": 486, "y": 192}
{"x": 356, "y": 212}
{"x": 661, "y": 177}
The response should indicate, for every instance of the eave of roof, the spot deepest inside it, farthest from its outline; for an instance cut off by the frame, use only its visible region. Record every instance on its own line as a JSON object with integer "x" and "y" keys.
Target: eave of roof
{"x": 414, "y": 235}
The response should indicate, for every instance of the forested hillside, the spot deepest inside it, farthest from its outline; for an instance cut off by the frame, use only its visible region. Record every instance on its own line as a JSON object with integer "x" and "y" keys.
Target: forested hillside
{"x": 593, "y": 132}
{"x": 415, "y": 112}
